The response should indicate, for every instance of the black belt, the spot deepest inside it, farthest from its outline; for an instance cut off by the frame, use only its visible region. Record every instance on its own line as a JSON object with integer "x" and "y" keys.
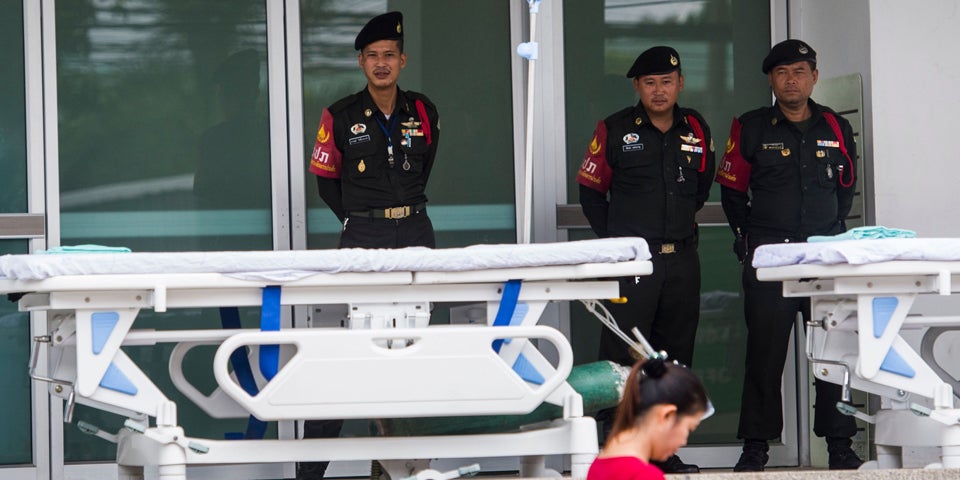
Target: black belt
{"x": 665, "y": 248}
{"x": 392, "y": 213}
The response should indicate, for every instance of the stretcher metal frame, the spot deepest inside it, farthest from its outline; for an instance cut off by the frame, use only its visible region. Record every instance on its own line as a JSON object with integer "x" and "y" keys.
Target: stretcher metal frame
{"x": 419, "y": 370}
{"x": 853, "y": 338}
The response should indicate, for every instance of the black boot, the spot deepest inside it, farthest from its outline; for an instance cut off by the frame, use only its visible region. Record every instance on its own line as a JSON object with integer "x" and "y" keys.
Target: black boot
{"x": 754, "y": 456}
{"x": 675, "y": 465}
{"x": 842, "y": 456}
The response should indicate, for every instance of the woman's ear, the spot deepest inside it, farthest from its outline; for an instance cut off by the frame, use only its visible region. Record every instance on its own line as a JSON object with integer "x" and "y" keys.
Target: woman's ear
{"x": 665, "y": 413}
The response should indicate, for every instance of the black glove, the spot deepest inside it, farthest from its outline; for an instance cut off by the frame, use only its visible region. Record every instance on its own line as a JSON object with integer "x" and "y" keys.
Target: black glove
{"x": 740, "y": 247}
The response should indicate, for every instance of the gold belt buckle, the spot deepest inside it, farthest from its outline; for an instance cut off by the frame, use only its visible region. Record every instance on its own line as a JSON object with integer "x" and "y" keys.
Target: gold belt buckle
{"x": 668, "y": 248}
{"x": 396, "y": 213}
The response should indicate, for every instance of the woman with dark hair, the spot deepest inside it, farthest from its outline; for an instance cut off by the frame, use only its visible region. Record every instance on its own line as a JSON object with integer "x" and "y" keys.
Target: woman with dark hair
{"x": 662, "y": 403}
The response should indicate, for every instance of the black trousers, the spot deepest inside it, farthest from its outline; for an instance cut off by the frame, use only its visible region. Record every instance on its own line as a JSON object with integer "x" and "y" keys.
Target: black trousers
{"x": 770, "y": 319}
{"x": 363, "y": 232}
{"x": 664, "y": 306}
{"x": 366, "y": 232}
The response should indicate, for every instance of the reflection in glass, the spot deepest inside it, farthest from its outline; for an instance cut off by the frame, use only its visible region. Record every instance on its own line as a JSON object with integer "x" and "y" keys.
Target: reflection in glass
{"x": 16, "y": 441}
{"x": 721, "y": 43}
{"x": 164, "y": 146}
{"x": 13, "y": 143}
{"x": 235, "y": 153}
{"x": 149, "y": 98}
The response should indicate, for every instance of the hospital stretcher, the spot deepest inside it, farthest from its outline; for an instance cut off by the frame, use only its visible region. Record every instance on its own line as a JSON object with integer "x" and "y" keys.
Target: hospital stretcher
{"x": 861, "y": 296}
{"x": 387, "y": 363}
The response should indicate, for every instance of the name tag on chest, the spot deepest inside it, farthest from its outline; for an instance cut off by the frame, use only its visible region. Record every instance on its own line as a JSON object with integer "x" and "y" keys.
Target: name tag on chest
{"x": 360, "y": 139}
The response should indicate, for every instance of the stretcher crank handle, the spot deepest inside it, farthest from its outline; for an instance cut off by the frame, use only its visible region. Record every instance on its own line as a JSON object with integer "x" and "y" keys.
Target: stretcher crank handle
{"x": 32, "y": 371}
{"x": 33, "y": 362}
{"x": 845, "y": 386}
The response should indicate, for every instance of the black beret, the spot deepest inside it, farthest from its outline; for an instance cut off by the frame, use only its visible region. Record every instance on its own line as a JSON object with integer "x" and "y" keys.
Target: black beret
{"x": 655, "y": 60}
{"x": 388, "y": 26}
{"x": 787, "y": 52}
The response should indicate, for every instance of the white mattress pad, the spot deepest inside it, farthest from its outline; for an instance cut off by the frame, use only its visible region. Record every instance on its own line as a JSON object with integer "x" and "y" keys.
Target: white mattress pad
{"x": 296, "y": 264}
{"x": 857, "y": 252}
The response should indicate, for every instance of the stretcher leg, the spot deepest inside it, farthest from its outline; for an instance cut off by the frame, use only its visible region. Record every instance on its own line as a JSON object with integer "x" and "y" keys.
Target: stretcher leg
{"x": 535, "y": 466}
{"x": 172, "y": 472}
{"x": 583, "y": 445}
{"x": 889, "y": 456}
{"x": 126, "y": 472}
{"x": 950, "y": 455}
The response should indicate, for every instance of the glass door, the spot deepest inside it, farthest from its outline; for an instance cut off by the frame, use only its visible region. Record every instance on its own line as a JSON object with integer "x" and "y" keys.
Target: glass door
{"x": 171, "y": 137}
{"x": 22, "y": 452}
{"x": 721, "y": 43}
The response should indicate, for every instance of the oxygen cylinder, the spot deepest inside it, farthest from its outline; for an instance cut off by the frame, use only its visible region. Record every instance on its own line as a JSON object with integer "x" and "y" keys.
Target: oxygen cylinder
{"x": 599, "y": 383}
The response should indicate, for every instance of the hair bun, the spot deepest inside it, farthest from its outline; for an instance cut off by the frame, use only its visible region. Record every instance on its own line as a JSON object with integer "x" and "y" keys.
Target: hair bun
{"x": 655, "y": 367}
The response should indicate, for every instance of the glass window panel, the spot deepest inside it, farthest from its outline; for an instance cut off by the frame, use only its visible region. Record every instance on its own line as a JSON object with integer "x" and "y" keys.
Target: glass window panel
{"x": 17, "y": 440}
{"x": 164, "y": 141}
{"x": 13, "y": 143}
{"x": 721, "y": 44}
{"x": 164, "y": 146}
{"x": 464, "y": 67}
{"x": 16, "y": 443}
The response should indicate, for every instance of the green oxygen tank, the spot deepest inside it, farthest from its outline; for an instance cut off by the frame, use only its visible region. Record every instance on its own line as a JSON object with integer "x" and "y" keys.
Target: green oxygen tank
{"x": 599, "y": 383}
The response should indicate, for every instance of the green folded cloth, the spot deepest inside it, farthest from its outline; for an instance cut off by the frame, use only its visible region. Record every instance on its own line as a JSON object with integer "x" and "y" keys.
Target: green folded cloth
{"x": 863, "y": 233}
{"x": 83, "y": 249}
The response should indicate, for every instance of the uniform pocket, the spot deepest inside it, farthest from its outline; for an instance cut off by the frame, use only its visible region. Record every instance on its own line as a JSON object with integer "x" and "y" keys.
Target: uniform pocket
{"x": 362, "y": 160}
{"x": 413, "y": 155}
{"x": 774, "y": 168}
{"x": 828, "y": 166}
{"x": 689, "y": 157}
{"x": 773, "y": 158}
{"x": 638, "y": 170}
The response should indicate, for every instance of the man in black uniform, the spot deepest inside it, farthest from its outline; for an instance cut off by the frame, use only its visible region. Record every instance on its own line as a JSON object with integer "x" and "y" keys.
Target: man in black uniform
{"x": 373, "y": 156}
{"x": 787, "y": 174}
{"x": 647, "y": 171}
{"x": 375, "y": 149}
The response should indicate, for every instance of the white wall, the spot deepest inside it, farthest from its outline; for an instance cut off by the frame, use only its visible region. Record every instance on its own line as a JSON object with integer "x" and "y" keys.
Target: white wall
{"x": 911, "y": 74}
{"x": 840, "y": 33}
{"x": 916, "y": 97}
